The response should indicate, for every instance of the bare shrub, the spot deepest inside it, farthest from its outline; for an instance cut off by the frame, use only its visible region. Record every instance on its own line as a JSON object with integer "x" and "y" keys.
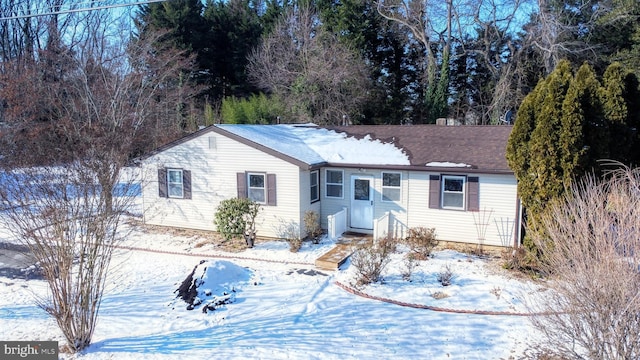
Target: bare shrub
{"x": 290, "y": 232}
{"x": 520, "y": 259}
{"x": 445, "y": 276}
{"x": 421, "y": 242}
{"x": 70, "y": 224}
{"x": 497, "y": 291}
{"x": 409, "y": 265}
{"x": 592, "y": 255}
{"x": 312, "y": 225}
{"x": 370, "y": 260}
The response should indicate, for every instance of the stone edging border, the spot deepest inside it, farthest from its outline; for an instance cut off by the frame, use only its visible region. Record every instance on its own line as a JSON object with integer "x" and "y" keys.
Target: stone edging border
{"x": 356, "y": 292}
{"x": 219, "y": 256}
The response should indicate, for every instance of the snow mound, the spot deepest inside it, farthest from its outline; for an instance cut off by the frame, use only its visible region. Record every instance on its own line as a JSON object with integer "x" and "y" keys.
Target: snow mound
{"x": 213, "y": 283}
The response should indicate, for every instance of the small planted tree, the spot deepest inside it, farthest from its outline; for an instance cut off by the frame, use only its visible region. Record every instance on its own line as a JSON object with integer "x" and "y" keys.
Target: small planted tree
{"x": 237, "y": 217}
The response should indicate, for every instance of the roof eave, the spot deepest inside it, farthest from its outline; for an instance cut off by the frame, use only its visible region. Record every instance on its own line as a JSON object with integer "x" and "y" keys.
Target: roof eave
{"x": 440, "y": 169}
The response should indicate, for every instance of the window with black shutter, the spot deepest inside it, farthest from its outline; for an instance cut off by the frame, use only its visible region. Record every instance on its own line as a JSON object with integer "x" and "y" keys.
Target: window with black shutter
{"x": 454, "y": 192}
{"x": 174, "y": 183}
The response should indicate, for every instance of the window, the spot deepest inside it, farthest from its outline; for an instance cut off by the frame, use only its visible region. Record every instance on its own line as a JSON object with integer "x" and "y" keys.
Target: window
{"x": 259, "y": 187}
{"x": 453, "y": 192}
{"x": 256, "y": 188}
{"x": 391, "y": 190}
{"x": 314, "y": 187}
{"x": 175, "y": 185}
{"x": 334, "y": 183}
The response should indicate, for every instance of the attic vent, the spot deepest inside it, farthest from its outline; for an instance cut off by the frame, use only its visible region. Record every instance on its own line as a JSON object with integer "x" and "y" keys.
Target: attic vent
{"x": 212, "y": 142}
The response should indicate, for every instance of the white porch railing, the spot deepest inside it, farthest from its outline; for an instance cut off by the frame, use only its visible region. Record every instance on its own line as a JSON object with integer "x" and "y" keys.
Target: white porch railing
{"x": 337, "y": 223}
{"x": 381, "y": 226}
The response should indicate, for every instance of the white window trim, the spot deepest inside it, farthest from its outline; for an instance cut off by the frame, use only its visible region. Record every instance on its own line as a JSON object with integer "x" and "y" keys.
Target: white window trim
{"x": 317, "y": 185}
{"x": 463, "y": 193}
{"x": 327, "y": 183}
{"x": 264, "y": 188}
{"x": 399, "y": 187}
{"x": 169, "y": 183}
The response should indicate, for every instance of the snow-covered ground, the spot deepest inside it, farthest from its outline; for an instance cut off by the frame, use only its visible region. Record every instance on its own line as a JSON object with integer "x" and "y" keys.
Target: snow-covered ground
{"x": 283, "y": 311}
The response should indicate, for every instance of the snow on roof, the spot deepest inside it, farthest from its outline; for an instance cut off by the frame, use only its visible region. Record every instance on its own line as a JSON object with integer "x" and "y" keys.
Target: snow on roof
{"x": 313, "y": 145}
{"x": 446, "y": 164}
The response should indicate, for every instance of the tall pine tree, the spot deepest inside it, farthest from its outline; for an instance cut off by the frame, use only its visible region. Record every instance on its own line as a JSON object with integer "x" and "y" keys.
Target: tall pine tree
{"x": 584, "y": 135}
{"x": 563, "y": 128}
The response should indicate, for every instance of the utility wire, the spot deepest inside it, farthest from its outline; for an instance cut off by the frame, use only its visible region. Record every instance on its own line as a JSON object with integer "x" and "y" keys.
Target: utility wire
{"x": 79, "y": 10}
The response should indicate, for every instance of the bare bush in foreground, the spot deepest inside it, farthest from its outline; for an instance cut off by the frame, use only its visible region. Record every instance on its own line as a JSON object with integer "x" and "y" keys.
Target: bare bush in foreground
{"x": 69, "y": 222}
{"x": 370, "y": 260}
{"x": 592, "y": 257}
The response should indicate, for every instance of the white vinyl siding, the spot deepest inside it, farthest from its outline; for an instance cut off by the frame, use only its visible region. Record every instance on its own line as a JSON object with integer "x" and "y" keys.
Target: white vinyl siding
{"x": 498, "y": 199}
{"x": 214, "y": 178}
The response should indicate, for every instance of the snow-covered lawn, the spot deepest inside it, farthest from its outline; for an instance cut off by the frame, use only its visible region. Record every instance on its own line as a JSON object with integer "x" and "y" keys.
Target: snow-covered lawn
{"x": 283, "y": 311}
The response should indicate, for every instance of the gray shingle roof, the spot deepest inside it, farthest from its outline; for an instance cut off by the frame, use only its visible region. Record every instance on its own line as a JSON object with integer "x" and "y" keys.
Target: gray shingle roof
{"x": 482, "y": 147}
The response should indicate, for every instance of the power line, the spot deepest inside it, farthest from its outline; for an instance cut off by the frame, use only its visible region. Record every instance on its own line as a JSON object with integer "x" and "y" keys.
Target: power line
{"x": 68, "y": 11}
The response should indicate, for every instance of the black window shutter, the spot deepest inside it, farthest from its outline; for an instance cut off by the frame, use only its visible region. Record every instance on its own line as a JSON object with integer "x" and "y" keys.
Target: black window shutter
{"x": 162, "y": 182}
{"x": 271, "y": 189}
{"x": 473, "y": 194}
{"x": 186, "y": 183}
{"x": 242, "y": 185}
{"x": 434, "y": 191}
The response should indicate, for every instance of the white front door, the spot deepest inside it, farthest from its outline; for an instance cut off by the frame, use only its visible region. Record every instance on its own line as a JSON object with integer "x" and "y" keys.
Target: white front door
{"x": 362, "y": 202}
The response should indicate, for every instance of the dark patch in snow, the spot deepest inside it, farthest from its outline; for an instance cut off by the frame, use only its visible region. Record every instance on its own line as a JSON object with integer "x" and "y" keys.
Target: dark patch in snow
{"x": 309, "y": 272}
{"x": 16, "y": 262}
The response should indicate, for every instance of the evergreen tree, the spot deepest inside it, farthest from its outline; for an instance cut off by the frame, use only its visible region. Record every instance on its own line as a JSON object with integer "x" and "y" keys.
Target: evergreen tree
{"x": 383, "y": 46}
{"x": 563, "y": 128}
{"x": 545, "y": 151}
{"x": 234, "y": 30}
{"x": 257, "y": 109}
{"x": 616, "y": 112}
{"x": 437, "y": 97}
{"x": 534, "y": 151}
{"x": 182, "y": 19}
{"x": 584, "y": 136}
{"x": 518, "y": 153}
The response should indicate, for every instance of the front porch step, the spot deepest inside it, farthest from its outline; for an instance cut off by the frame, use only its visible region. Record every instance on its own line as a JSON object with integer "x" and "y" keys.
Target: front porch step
{"x": 335, "y": 257}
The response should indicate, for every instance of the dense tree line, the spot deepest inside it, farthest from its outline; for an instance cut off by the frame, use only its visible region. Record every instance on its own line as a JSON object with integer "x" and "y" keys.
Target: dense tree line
{"x": 401, "y": 61}
{"x": 327, "y": 61}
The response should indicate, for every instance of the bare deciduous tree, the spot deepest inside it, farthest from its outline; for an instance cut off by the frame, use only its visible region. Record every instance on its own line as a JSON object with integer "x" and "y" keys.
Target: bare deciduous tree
{"x": 75, "y": 117}
{"x": 316, "y": 76}
{"x": 428, "y": 22}
{"x": 561, "y": 30}
{"x": 592, "y": 255}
